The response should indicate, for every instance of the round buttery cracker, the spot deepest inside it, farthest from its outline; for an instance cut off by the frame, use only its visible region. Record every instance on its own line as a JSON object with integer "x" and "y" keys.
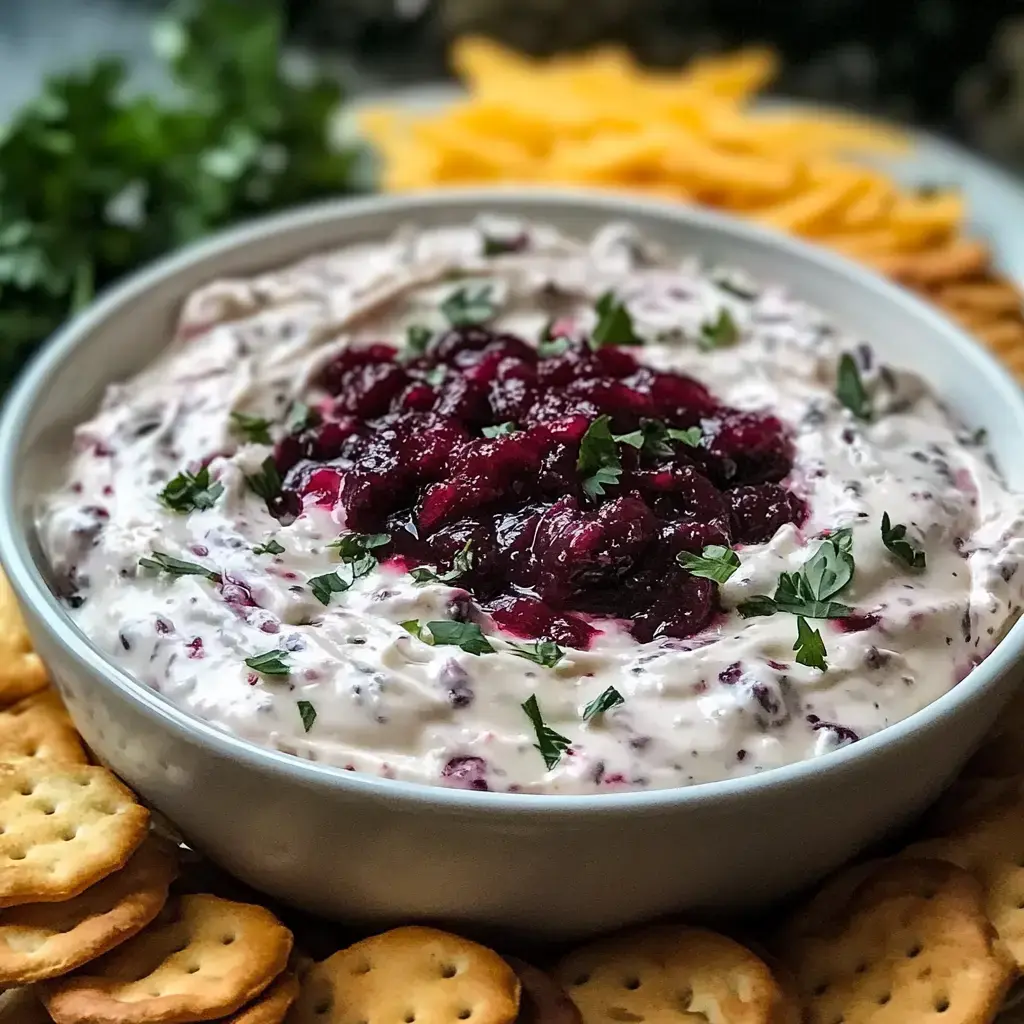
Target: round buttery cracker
{"x": 44, "y": 940}
{"x": 272, "y": 1007}
{"x": 909, "y": 940}
{"x": 202, "y": 959}
{"x": 63, "y": 827}
{"x": 991, "y": 848}
{"x": 21, "y": 670}
{"x": 40, "y": 727}
{"x": 667, "y": 973}
{"x": 410, "y": 975}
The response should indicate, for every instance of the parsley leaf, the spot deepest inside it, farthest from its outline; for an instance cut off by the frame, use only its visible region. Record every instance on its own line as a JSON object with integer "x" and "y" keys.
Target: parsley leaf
{"x": 895, "y": 539}
{"x": 270, "y": 548}
{"x": 501, "y": 430}
{"x": 267, "y": 482}
{"x": 850, "y": 388}
{"x": 301, "y": 417}
{"x": 757, "y": 606}
{"x": 351, "y": 546}
{"x": 718, "y": 333}
{"x": 634, "y": 439}
{"x": 808, "y": 591}
{"x": 271, "y": 663}
{"x": 163, "y": 562}
{"x": 611, "y": 698}
{"x": 614, "y": 324}
{"x": 252, "y": 428}
{"x": 465, "y": 306}
{"x": 691, "y": 436}
{"x": 462, "y": 563}
{"x": 445, "y": 633}
{"x": 417, "y": 338}
{"x": 330, "y": 583}
{"x": 550, "y": 743}
{"x": 307, "y": 713}
{"x": 545, "y": 653}
{"x": 190, "y": 493}
{"x": 551, "y": 344}
{"x": 715, "y": 563}
{"x": 598, "y": 460}
{"x": 809, "y": 647}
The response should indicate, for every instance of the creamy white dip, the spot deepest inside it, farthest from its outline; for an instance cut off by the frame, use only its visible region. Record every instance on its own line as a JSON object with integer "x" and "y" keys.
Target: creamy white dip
{"x": 364, "y": 694}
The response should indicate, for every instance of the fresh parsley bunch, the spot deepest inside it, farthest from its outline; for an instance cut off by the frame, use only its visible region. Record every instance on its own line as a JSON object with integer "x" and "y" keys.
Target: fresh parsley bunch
{"x": 95, "y": 182}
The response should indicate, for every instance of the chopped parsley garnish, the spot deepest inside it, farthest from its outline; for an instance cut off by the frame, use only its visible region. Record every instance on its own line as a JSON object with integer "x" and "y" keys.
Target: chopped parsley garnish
{"x": 550, "y": 743}
{"x": 614, "y": 323}
{"x": 611, "y": 698}
{"x": 850, "y": 388}
{"x": 444, "y": 633}
{"x": 809, "y": 647}
{"x": 252, "y": 428}
{"x": 272, "y": 663}
{"x": 307, "y": 713}
{"x": 351, "y": 546}
{"x": 163, "y": 562}
{"x": 501, "y": 430}
{"x": 598, "y": 460}
{"x": 267, "y": 482}
{"x": 656, "y": 436}
{"x": 330, "y": 583}
{"x": 734, "y": 284}
{"x": 301, "y": 417}
{"x": 895, "y": 539}
{"x": 417, "y": 338}
{"x": 462, "y": 563}
{"x": 189, "y": 492}
{"x": 718, "y": 333}
{"x": 270, "y": 548}
{"x": 545, "y": 653}
{"x": 809, "y": 591}
{"x": 551, "y": 344}
{"x": 716, "y": 563}
{"x": 466, "y": 306}
{"x": 435, "y": 375}
{"x": 354, "y": 550}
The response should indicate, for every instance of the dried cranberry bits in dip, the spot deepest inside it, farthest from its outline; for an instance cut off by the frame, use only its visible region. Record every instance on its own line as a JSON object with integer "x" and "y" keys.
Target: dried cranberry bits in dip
{"x": 571, "y": 652}
{"x": 400, "y": 447}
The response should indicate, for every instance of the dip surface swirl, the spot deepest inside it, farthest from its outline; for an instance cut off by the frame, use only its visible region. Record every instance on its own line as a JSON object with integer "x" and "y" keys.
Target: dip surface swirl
{"x": 269, "y": 595}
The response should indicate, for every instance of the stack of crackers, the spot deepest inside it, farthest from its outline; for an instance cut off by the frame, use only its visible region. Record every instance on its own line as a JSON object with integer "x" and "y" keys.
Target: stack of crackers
{"x": 96, "y": 927}
{"x": 959, "y": 276}
{"x": 90, "y": 930}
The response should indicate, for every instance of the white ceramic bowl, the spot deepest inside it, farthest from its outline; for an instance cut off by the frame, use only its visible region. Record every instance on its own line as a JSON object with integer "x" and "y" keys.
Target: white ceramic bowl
{"x": 378, "y": 851}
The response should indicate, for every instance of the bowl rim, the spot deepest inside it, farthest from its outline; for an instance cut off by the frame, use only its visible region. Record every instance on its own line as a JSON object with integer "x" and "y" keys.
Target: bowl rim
{"x": 31, "y": 588}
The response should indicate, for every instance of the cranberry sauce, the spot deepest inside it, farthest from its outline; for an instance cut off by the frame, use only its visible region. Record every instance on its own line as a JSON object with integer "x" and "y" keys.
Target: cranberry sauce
{"x": 573, "y": 480}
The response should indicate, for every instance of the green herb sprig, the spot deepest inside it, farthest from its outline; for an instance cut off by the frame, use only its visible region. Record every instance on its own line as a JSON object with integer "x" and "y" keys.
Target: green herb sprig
{"x": 160, "y": 561}
{"x": 610, "y": 698}
{"x": 97, "y": 179}
{"x": 270, "y": 663}
{"x": 545, "y": 653}
{"x": 444, "y": 633}
{"x": 253, "y": 428}
{"x": 850, "y": 389}
{"x": 189, "y": 492}
{"x": 550, "y": 744}
{"x": 895, "y": 539}
{"x": 715, "y": 563}
{"x": 614, "y": 323}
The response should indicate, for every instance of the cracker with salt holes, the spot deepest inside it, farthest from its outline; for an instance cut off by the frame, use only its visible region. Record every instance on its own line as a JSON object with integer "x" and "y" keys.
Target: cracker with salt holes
{"x": 22, "y": 671}
{"x": 203, "y": 958}
{"x": 410, "y": 975}
{"x": 272, "y": 1007}
{"x": 991, "y": 848}
{"x": 40, "y": 727}
{"x": 666, "y": 973}
{"x": 543, "y": 1000}
{"x": 908, "y": 940}
{"x": 63, "y": 827}
{"x": 44, "y": 940}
